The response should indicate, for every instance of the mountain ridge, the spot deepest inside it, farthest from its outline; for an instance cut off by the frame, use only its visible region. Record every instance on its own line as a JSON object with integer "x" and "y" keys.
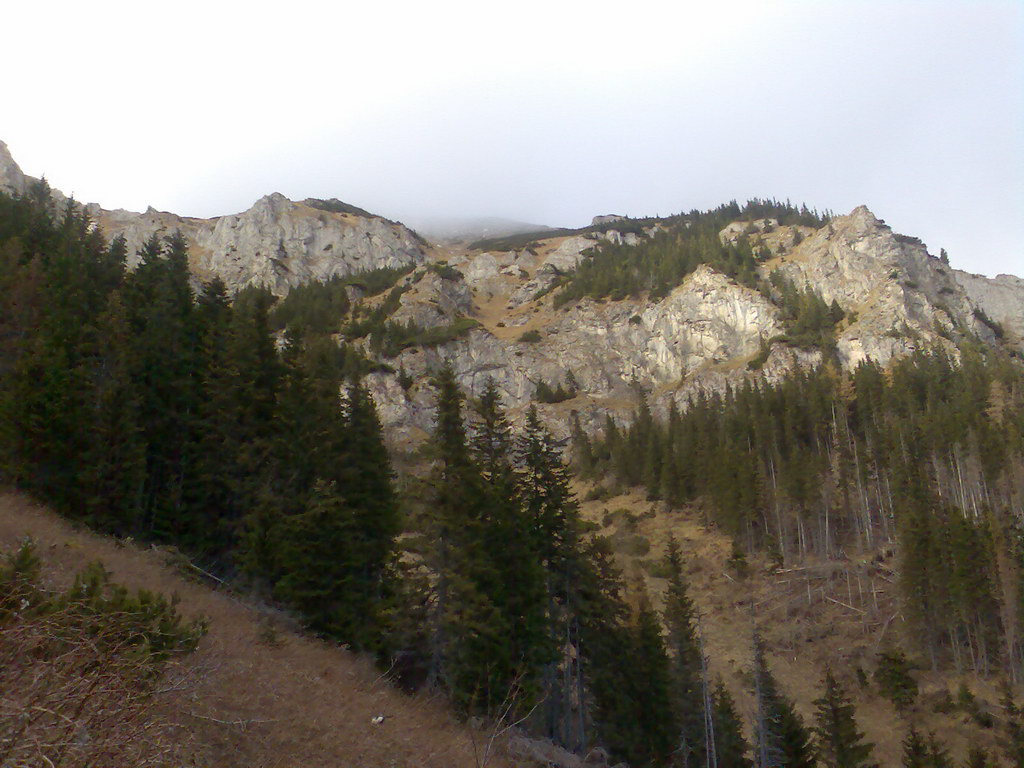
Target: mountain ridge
{"x": 707, "y": 333}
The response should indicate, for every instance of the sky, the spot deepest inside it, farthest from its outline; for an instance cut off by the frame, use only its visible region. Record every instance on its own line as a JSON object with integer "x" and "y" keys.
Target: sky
{"x": 547, "y": 112}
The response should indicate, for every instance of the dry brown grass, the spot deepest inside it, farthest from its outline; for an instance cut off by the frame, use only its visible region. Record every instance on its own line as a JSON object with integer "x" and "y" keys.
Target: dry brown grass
{"x": 73, "y": 694}
{"x": 250, "y": 702}
{"x": 813, "y": 613}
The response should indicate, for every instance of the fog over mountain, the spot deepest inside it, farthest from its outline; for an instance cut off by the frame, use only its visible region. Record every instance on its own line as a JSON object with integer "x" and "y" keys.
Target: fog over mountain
{"x": 551, "y": 114}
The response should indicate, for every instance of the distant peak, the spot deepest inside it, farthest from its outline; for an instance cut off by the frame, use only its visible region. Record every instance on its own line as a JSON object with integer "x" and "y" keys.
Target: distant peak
{"x": 863, "y": 215}
{"x": 11, "y": 176}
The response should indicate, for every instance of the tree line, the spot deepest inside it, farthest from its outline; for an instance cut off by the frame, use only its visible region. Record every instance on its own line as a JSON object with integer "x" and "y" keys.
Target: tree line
{"x": 657, "y": 264}
{"x": 927, "y": 454}
{"x": 136, "y": 404}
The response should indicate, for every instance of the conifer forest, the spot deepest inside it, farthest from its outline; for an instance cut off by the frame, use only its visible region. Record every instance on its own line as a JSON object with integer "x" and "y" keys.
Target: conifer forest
{"x": 237, "y": 427}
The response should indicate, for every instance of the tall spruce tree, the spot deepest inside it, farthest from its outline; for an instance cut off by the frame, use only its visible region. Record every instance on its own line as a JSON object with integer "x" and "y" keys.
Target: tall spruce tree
{"x": 114, "y": 462}
{"x": 731, "y": 749}
{"x": 839, "y": 743}
{"x": 781, "y": 737}
{"x": 468, "y": 654}
{"x": 517, "y": 583}
{"x": 686, "y": 665}
{"x": 366, "y": 484}
{"x": 551, "y": 515}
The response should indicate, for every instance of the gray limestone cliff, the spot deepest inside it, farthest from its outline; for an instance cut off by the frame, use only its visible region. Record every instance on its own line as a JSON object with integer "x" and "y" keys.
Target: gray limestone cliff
{"x": 708, "y": 333}
{"x": 277, "y": 243}
{"x": 11, "y": 177}
{"x": 704, "y": 334}
{"x": 1001, "y": 298}
{"x": 903, "y": 298}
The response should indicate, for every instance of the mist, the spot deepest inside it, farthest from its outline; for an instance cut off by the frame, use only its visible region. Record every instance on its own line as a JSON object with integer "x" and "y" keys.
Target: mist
{"x": 538, "y": 112}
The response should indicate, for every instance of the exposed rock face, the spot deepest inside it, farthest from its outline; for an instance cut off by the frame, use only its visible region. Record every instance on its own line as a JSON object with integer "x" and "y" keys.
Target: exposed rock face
{"x": 433, "y": 300}
{"x": 703, "y": 324}
{"x": 11, "y": 177}
{"x": 703, "y": 334}
{"x": 14, "y": 181}
{"x": 606, "y": 219}
{"x": 732, "y": 233}
{"x": 898, "y": 299}
{"x": 904, "y": 299}
{"x": 1001, "y": 298}
{"x": 277, "y": 243}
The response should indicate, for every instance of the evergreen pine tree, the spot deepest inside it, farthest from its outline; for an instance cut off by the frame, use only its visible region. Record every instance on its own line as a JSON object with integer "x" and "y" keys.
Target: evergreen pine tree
{"x": 731, "y": 748}
{"x": 517, "y": 585}
{"x": 977, "y": 758}
{"x": 652, "y": 691}
{"x": 840, "y": 744}
{"x": 467, "y": 653}
{"x": 366, "y": 478}
{"x": 915, "y": 750}
{"x": 687, "y": 688}
{"x": 781, "y": 737}
{"x": 317, "y": 548}
{"x": 114, "y": 462}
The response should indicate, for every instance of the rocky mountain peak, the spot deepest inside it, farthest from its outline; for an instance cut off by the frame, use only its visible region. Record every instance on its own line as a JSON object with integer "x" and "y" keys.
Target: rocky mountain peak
{"x": 11, "y": 177}
{"x": 497, "y": 315}
{"x": 862, "y": 216}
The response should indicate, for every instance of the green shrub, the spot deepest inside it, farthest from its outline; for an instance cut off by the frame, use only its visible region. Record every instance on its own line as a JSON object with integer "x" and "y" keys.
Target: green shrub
{"x": 892, "y": 675}
{"x": 445, "y": 272}
{"x": 143, "y": 623}
{"x": 546, "y": 393}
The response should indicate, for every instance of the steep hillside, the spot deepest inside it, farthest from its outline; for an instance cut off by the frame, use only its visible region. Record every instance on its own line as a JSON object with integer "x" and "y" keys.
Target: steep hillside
{"x": 277, "y": 243}
{"x": 708, "y": 332}
{"x": 828, "y": 418}
{"x": 821, "y": 613}
{"x": 257, "y": 693}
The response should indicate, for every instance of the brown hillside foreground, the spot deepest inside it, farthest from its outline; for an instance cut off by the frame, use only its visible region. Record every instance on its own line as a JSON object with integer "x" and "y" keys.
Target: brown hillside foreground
{"x": 259, "y": 704}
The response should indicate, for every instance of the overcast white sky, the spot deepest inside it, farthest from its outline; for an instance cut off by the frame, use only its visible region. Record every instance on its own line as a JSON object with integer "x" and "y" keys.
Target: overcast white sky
{"x": 549, "y": 112}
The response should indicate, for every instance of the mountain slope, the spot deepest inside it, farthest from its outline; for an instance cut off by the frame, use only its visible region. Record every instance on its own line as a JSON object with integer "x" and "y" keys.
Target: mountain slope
{"x": 277, "y": 243}
{"x": 256, "y": 692}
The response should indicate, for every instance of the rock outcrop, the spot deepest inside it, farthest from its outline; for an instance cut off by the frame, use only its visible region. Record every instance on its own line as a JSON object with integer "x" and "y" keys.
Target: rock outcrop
{"x": 708, "y": 333}
{"x": 898, "y": 299}
{"x": 1001, "y": 298}
{"x": 11, "y": 177}
{"x": 277, "y": 243}
{"x": 903, "y": 298}
{"x": 698, "y": 334}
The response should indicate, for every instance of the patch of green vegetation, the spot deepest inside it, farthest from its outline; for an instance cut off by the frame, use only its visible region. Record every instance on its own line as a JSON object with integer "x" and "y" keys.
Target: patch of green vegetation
{"x": 391, "y": 338}
{"x": 142, "y": 623}
{"x": 894, "y": 679}
{"x": 529, "y": 337}
{"x": 811, "y": 321}
{"x": 334, "y": 205}
{"x": 632, "y": 544}
{"x": 445, "y": 271}
{"x": 557, "y": 393}
{"x": 363, "y": 325}
{"x": 658, "y": 264}
{"x": 321, "y": 307}
{"x": 981, "y": 316}
{"x": 761, "y": 357}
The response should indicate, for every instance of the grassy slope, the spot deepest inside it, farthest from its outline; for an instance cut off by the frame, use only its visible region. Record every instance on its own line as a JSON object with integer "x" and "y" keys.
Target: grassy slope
{"x": 811, "y": 615}
{"x": 250, "y": 702}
